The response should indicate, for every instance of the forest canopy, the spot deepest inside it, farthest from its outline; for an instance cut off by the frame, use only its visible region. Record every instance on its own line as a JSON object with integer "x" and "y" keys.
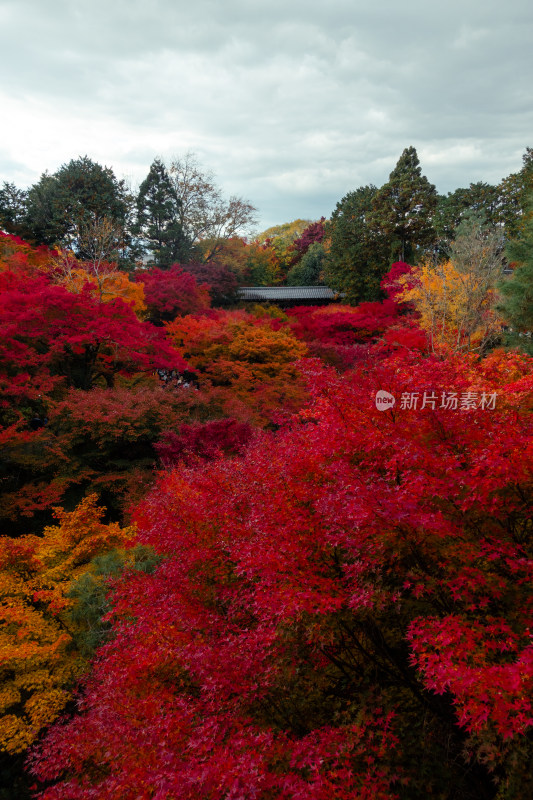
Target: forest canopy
{"x": 261, "y": 551}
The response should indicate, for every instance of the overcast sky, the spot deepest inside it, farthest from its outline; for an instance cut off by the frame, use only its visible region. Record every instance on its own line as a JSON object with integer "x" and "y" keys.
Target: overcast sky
{"x": 290, "y": 103}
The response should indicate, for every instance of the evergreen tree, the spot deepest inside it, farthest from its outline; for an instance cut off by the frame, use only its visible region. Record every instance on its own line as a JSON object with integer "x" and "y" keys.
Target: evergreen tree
{"x": 515, "y": 191}
{"x": 480, "y": 198}
{"x": 357, "y": 256}
{"x": 64, "y": 208}
{"x": 12, "y": 208}
{"x": 158, "y": 224}
{"x": 45, "y": 220}
{"x": 516, "y": 292}
{"x": 403, "y": 208}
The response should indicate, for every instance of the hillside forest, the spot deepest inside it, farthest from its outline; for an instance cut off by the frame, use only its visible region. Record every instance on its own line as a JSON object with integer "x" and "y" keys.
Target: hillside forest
{"x": 258, "y": 551}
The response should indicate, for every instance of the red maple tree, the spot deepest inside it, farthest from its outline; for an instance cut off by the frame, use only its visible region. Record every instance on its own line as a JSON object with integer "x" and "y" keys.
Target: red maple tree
{"x": 344, "y": 611}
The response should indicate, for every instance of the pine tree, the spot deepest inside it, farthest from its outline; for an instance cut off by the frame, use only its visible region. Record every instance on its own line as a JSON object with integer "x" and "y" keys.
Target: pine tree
{"x": 403, "y": 208}
{"x": 158, "y": 217}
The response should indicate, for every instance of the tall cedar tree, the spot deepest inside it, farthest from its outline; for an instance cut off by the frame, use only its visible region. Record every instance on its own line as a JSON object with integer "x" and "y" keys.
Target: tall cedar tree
{"x": 357, "y": 257}
{"x": 158, "y": 209}
{"x": 403, "y": 208}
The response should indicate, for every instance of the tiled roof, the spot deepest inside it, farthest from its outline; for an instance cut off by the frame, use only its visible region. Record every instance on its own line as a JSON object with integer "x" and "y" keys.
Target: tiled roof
{"x": 287, "y": 293}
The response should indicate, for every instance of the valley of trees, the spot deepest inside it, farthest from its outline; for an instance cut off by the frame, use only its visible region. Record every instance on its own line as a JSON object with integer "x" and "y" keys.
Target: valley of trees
{"x": 225, "y": 570}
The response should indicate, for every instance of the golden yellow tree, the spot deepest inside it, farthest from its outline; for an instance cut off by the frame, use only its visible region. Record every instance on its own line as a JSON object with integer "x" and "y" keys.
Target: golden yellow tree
{"x": 455, "y": 300}
{"x": 39, "y": 665}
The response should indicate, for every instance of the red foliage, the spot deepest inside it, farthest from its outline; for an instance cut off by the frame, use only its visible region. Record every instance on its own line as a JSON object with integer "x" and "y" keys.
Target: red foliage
{"x": 314, "y": 232}
{"x": 407, "y": 335}
{"x": 53, "y": 341}
{"x": 218, "y": 279}
{"x": 317, "y": 597}
{"x": 389, "y": 282}
{"x": 336, "y": 333}
{"x": 172, "y": 292}
{"x": 50, "y": 334}
{"x": 342, "y": 324}
{"x": 18, "y": 255}
{"x": 203, "y": 441}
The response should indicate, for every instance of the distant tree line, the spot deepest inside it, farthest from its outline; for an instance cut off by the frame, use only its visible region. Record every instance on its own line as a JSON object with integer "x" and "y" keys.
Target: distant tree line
{"x": 84, "y": 208}
{"x": 179, "y": 216}
{"x": 407, "y": 220}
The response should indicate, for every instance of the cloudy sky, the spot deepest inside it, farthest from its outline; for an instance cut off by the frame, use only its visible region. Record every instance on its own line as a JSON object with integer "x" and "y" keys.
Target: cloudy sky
{"x": 291, "y": 103}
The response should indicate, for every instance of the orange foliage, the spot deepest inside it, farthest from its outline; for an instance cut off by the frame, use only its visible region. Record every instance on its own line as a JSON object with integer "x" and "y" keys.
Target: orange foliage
{"x": 244, "y": 356}
{"x": 16, "y": 254}
{"x": 108, "y": 285}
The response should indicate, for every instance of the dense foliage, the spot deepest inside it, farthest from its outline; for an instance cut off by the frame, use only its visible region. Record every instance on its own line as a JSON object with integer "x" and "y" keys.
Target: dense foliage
{"x": 263, "y": 553}
{"x": 39, "y": 666}
{"x": 172, "y": 292}
{"x": 245, "y": 360}
{"x": 344, "y": 611}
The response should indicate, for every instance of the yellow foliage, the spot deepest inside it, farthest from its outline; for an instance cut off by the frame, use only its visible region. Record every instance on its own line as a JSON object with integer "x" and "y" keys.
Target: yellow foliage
{"x": 456, "y": 307}
{"x": 38, "y": 665}
{"x": 108, "y": 286}
{"x": 287, "y": 231}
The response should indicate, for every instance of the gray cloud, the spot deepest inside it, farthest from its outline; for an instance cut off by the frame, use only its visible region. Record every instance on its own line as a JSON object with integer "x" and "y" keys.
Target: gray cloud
{"x": 291, "y": 104}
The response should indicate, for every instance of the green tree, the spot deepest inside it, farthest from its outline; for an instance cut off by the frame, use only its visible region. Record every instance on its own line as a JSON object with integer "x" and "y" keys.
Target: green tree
{"x": 158, "y": 212}
{"x": 308, "y": 271}
{"x": 480, "y": 198}
{"x": 516, "y": 293}
{"x": 44, "y": 221}
{"x": 63, "y": 208}
{"x": 515, "y": 193}
{"x": 404, "y": 207}
{"x": 90, "y": 592}
{"x": 357, "y": 256}
{"x": 12, "y": 208}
